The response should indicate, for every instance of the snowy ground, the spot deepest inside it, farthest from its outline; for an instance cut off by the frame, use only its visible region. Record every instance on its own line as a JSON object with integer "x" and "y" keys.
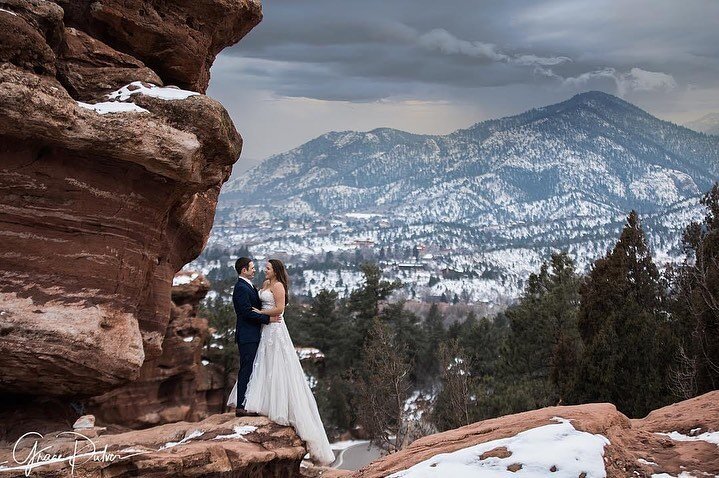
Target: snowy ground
{"x": 557, "y": 450}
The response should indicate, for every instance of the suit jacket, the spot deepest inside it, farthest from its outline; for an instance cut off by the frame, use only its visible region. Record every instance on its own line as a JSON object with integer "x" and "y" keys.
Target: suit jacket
{"x": 249, "y": 323}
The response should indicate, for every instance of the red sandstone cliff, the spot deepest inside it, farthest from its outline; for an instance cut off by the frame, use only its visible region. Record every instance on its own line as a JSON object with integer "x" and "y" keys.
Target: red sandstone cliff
{"x": 179, "y": 385}
{"x": 99, "y": 211}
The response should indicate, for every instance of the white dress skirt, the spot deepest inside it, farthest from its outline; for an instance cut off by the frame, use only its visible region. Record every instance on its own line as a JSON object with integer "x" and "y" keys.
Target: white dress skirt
{"x": 278, "y": 388}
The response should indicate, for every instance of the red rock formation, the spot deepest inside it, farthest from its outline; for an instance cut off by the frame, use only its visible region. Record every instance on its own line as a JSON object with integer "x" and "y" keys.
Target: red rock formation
{"x": 633, "y": 443}
{"x": 99, "y": 211}
{"x": 221, "y": 445}
{"x": 179, "y": 39}
{"x": 178, "y": 385}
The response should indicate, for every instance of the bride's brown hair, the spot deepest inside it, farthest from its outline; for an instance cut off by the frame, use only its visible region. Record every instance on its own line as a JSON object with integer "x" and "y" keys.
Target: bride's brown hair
{"x": 281, "y": 276}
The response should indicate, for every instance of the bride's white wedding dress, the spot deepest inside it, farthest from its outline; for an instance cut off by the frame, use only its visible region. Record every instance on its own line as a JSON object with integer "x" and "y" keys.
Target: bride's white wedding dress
{"x": 278, "y": 388}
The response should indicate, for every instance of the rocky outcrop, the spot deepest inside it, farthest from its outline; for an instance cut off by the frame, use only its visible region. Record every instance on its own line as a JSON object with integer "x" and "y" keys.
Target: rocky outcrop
{"x": 673, "y": 440}
{"x": 179, "y": 40}
{"x": 178, "y": 385}
{"x": 104, "y": 201}
{"x": 221, "y": 445}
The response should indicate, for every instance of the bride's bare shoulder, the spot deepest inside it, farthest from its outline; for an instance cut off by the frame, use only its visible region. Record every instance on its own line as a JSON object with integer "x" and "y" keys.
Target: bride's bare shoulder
{"x": 277, "y": 287}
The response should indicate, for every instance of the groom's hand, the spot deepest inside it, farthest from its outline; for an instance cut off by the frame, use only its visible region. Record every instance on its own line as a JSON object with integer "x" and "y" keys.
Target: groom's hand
{"x": 275, "y": 319}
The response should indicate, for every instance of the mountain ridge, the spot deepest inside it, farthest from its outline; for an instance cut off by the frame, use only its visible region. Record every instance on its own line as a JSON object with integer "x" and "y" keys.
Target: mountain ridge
{"x": 345, "y": 160}
{"x": 489, "y": 202}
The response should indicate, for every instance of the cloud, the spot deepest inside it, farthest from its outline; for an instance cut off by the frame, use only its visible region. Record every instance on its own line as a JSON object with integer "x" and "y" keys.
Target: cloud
{"x": 636, "y": 79}
{"x": 529, "y": 60}
{"x": 643, "y": 80}
{"x": 440, "y": 39}
{"x": 492, "y": 60}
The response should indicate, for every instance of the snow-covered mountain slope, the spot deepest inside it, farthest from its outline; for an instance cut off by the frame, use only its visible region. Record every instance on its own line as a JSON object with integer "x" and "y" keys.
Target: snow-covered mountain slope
{"x": 487, "y": 203}
{"x": 591, "y": 155}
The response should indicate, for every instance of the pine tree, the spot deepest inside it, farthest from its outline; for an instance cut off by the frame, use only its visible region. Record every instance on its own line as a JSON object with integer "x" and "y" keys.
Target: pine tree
{"x": 323, "y": 324}
{"x": 409, "y": 336}
{"x": 563, "y": 306}
{"x": 451, "y": 408}
{"x": 382, "y": 387}
{"x": 435, "y": 334}
{"x": 364, "y": 306}
{"x": 697, "y": 304}
{"x": 624, "y": 328}
{"x": 542, "y": 343}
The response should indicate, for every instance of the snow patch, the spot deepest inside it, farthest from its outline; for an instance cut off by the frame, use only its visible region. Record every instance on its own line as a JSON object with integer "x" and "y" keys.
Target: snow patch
{"x": 239, "y": 432}
{"x": 683, "y": 474}
{"x": 138, "y": 88}
{"x": 709, "y": 437}
{"x": 559, "y": 445}
{"x": 182, "y": 279}
{"x": 112, "y": 107}
{"x": 304, "y": 353}
{"x": 193, "y": 434}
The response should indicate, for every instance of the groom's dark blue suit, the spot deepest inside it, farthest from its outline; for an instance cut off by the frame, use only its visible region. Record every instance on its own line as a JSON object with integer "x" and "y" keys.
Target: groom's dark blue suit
{"x": 247, "y": 331}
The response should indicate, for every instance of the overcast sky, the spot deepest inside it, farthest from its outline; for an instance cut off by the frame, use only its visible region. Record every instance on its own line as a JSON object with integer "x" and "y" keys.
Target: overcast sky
{"x": 429, "y": 66}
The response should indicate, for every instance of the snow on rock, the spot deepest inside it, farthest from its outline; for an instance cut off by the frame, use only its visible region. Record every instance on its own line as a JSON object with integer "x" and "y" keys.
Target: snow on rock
{"x": 8, "y": 11}
{"x": 709, "y": 437}
{"x": 190, "y": 436}
{"x": 239, "y": 432}
{"x": 558, "y": 450}
{"x": 182, "y": 279}
{"x": 683, "y": 474}
{"x": 112, "y": 107}
{"x": 147, "y": 89}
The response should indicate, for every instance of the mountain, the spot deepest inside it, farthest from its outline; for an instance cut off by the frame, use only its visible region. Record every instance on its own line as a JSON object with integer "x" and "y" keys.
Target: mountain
{"x": 592, "y": 154}
{"x": 490, "y": 201}
{"x": 708, "y": 124}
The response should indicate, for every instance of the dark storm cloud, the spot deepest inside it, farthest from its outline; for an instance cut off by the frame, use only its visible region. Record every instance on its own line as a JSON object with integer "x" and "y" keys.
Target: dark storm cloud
{"x": 428, "y": 67}
{"x": 369, "y": 50}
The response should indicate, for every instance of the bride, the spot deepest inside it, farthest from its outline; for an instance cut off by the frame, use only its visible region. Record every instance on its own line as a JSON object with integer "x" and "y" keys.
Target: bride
{"x": 277, "y": 387}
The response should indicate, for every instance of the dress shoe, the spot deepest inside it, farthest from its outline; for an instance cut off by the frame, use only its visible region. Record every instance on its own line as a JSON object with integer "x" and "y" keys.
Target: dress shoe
{"x": 241, "y": 412}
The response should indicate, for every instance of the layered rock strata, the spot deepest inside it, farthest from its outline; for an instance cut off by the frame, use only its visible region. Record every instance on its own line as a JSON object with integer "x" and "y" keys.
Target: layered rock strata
{"x": 221, "y": 445}
{"x": 104, "y": 197}
{"x": 178, "y": 385}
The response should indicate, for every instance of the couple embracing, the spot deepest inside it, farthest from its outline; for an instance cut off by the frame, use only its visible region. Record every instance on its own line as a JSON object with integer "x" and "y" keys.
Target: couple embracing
{"x": 271, "y": 381}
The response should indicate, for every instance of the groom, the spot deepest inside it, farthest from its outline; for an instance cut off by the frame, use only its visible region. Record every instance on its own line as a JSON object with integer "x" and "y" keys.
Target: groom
{"x": 249, "y": 326}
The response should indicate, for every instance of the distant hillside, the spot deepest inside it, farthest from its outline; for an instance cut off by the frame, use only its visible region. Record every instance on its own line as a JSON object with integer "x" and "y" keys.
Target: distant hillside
{"x": 489, "y": 202}
{"x": 591, "y": 155}
{"x": 708, "y": 124}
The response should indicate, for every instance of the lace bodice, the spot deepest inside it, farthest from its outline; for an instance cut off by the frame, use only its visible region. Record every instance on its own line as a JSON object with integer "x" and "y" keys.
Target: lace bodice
{"x": 267, "y": 298}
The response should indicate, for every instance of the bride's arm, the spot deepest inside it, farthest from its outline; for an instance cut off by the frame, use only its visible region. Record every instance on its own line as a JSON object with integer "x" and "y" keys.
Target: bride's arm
{"x": 278, "y": 291}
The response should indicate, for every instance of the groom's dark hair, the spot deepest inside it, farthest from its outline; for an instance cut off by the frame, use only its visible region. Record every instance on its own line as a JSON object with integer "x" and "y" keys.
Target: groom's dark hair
{"x": 242, "y": 263}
